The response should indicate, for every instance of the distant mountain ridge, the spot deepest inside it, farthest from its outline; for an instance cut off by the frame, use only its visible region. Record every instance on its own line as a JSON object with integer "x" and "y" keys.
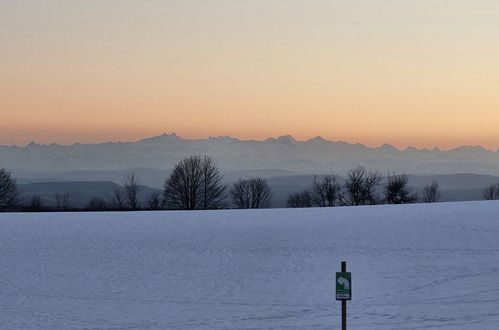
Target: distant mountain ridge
{"x": 316, "y": 155}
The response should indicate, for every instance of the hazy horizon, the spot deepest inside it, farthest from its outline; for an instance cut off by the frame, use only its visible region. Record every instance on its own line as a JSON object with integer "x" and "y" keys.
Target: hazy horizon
{"x": 138, "y": 139}
{"x": 406, "y": 73}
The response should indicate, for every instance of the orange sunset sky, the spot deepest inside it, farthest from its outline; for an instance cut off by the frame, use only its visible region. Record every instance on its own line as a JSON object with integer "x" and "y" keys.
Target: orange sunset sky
{"x": 422, "y": 73}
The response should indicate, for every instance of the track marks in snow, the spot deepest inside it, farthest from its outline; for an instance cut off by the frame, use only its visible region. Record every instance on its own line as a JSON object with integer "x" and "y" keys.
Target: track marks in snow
{"x": 270, "y": 269}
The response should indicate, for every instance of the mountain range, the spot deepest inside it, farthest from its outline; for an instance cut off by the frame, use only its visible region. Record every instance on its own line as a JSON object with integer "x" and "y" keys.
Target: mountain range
{"x": 284, "y": 153}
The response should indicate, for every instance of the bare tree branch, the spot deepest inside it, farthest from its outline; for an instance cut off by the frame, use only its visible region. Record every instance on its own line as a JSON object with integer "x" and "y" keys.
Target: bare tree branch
{"x": 117, "y": 200}
{"x": 131, "y": 192}
{"x": 8, "y": 190}
{"x": 195, "y": 183}
{"x": 397, "y": 190}
{"x": 491, "y": 192}
{"x": 360, "y": 186}
{"x": 154, "y": 201}
{"x": 97, "y": 204}
{"x": 301, "y": 199}
{"x": 431, "y": 193}
{"x": 327, "y": 191}
{"x": 251, "y": 193}
{"x": 62, "y": 201}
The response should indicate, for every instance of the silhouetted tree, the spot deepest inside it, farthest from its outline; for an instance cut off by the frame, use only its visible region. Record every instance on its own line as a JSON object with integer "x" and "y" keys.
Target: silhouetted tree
{"x": 154, "y": 201}
{"x": 354, "y": 186}
{"x": 397, "y": 190}
{"x": 326, "y": 191}
{"x": 97, "y": 204}
{"x": 372, "y": 179}
{"x": 252, "y": 193}
{"x": 131, "y": 192}
{"x": 431, "y": 193}
{"x": 62, "y": 201}
{"x": 195, "y": 183}
{"x": 491, "y": 192}
{"x": 117, "y": 200}
{"x": 212, "y": 189}
{"x": 34, "y": 204}
{"x": 301, "y": 199}
{"x": 8, "y": 190}
{"x": 360, "y": 186}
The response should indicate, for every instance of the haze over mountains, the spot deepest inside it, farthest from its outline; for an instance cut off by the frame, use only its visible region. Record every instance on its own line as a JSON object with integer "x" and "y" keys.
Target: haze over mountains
{"x": 89, "y": 170}
{"x": 284, "y": 153}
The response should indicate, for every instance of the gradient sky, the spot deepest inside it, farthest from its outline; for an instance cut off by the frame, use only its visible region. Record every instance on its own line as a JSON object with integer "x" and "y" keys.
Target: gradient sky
{"x": 422, "y": 73}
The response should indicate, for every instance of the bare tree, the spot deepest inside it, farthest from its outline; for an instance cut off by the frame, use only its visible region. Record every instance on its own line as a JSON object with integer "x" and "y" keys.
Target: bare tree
{"x": 372, "y": 179}
{"x": 240, "y": 194}
{"x": 182, "y": 188}
{"x": 212, "y": 188}
{"x": 8, "y": 190}
{"x": 360, "y": 186}
{"x": 117, "y": 200}
{"x": 34, "y": 204}
{"x": 251, "y": 193}
{"x": 327, "y": 191}
{"x": 154, "y": 201}
{"x": 301, "y": 199}
{"x": 261, "y": 193}
{"x": 431, "y": 193}
{"x": 131, "y": 192}
{"x": 354, "y": 186}
{"x": 195, "y": 183}
{"x": 397, "y": 190}
{"x": 491, "y": 192}
{"x": 62, "y": 201}
{"x": 97, "y": 204}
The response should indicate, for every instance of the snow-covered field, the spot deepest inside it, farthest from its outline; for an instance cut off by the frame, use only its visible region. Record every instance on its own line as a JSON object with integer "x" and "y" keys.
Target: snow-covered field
{"x": 433, "y": 266}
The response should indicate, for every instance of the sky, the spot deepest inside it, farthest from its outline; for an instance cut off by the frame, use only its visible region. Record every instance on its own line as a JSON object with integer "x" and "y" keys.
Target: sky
{"x": 410, "y": 73}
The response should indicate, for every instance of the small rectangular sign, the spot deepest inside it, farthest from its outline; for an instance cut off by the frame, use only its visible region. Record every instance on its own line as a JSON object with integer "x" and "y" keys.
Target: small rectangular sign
{"x": 343, "y": 286}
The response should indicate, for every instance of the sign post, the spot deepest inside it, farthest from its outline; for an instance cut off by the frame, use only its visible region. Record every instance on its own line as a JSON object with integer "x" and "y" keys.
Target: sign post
{"x": 343, "y": 291}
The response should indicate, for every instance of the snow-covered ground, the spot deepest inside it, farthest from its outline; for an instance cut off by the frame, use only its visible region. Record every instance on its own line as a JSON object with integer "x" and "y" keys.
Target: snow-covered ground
{"x": 425, "y": 266}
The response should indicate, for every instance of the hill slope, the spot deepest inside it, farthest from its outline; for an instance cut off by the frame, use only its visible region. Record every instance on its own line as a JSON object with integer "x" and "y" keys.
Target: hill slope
{"x": 426, "y": 266}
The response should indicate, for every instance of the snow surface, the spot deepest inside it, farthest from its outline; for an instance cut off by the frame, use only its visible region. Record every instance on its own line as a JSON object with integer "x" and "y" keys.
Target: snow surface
{"x": 424, "y": 266}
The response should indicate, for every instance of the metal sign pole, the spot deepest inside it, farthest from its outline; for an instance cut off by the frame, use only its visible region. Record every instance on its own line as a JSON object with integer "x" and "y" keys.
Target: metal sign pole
{"x": 343, "y": 291}
{"x": 343, "y": 302}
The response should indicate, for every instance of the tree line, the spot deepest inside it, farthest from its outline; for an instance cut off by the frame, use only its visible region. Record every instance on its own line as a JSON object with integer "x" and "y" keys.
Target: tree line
{"x": 196, "y": 183}
{"x": 362, "y": 187}
{"x": 491, "y": 192}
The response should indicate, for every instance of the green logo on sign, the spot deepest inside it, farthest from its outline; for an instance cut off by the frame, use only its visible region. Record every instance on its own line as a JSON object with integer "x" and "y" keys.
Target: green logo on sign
{"x": 344, "y": 286}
